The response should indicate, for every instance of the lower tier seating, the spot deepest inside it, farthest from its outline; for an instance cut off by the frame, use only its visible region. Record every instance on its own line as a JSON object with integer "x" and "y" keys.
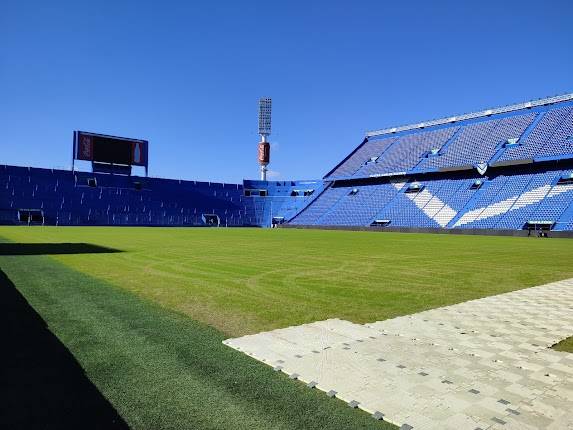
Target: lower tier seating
{"x": 506, "y": 199}
{"x": 78, "y": 198}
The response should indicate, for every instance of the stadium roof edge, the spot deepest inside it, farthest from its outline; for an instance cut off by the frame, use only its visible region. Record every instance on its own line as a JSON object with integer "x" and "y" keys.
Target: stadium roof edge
{"x": 487, "y": 112}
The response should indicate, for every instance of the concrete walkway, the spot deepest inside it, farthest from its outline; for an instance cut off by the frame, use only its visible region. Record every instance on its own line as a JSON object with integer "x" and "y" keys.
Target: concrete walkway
{"x": 482, "y": 364}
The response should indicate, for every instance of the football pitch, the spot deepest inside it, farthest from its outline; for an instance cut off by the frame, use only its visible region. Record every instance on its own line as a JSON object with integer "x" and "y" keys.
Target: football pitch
{"x": 144, "y": 310}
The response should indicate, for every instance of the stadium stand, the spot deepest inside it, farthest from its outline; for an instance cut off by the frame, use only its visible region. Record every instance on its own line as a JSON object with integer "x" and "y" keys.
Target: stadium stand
{"x": 363, "y": 155}
{"x": 408, "y": 151}
{"x": 508, "y": 168}
{"x": 277, "y": 202}
{"x": 477, "y": 143}
{"x": 321, "y": 204}
{"x": 505, "y": 168}
{"x": 359, "y": 205}
{"x": 550, "y": 137}
{"x": 60, "y": 197}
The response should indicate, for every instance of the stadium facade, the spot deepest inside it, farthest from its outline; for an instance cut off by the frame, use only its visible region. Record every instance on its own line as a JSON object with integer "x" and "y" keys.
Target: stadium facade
{"x": 509, "y": 168}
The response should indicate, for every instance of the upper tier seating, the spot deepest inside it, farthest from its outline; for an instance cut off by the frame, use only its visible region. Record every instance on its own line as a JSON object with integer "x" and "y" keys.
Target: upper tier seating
{"x": 408, "y": 150}
{"x": 551, "y": 136}
{"x": 543, "y": 133}
{"x": 368, "y": 150}
{"x": 477, "y": 143}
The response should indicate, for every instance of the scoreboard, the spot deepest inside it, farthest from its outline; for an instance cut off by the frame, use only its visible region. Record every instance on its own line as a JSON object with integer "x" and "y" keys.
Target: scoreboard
{"x": 107, "y": 150}
{"x": 101, "y": 148}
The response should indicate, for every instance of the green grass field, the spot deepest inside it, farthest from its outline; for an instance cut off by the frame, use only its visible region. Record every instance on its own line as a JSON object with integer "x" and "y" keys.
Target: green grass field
{"x": 146, "y": 323}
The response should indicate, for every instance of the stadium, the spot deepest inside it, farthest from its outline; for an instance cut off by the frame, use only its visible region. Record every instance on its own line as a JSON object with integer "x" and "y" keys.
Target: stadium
{"x": 420, "y": 281}
{"x": 503, "y": 169}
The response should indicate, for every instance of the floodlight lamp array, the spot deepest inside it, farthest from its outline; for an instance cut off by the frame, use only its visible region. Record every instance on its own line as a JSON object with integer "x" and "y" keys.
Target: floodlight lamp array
{"x": 265, "y": 105}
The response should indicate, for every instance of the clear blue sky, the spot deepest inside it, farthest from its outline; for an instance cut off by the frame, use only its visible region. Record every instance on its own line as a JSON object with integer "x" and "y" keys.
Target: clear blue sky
{"x": 186, "y": 75}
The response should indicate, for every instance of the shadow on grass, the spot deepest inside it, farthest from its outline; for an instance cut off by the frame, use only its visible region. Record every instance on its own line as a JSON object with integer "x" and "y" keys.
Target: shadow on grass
{"x": 41, "y": 383}
{"x": 53, "y": 248}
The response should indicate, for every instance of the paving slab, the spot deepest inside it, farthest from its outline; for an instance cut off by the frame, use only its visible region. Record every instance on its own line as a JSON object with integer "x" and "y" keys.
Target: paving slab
{"x": 482, "y": 364}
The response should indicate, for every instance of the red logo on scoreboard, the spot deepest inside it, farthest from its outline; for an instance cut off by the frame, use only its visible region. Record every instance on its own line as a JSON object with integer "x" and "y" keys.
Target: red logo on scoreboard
{"x": 85, "y": 148}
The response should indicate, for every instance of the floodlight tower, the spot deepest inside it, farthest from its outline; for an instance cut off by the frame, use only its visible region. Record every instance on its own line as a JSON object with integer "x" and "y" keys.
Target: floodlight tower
{"x": 264, "y": 131}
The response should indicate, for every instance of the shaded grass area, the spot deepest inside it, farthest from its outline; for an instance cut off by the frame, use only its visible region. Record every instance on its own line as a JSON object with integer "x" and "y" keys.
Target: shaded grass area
{"x": 159, "y": 368}
{"x": 42, "y": 385}
{"x": 248, "y": 280}
{"x": 7, "y": 248}
{"x": 566, "y": 345}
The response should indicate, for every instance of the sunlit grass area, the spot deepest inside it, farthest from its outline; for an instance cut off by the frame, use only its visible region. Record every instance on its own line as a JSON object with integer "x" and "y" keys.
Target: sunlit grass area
{"x": 246, "y": 280}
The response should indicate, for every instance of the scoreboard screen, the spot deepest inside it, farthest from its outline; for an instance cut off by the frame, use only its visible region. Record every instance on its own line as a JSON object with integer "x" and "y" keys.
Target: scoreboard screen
{"x": 106, "y": 150}
{"x": 110, "y": 149}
